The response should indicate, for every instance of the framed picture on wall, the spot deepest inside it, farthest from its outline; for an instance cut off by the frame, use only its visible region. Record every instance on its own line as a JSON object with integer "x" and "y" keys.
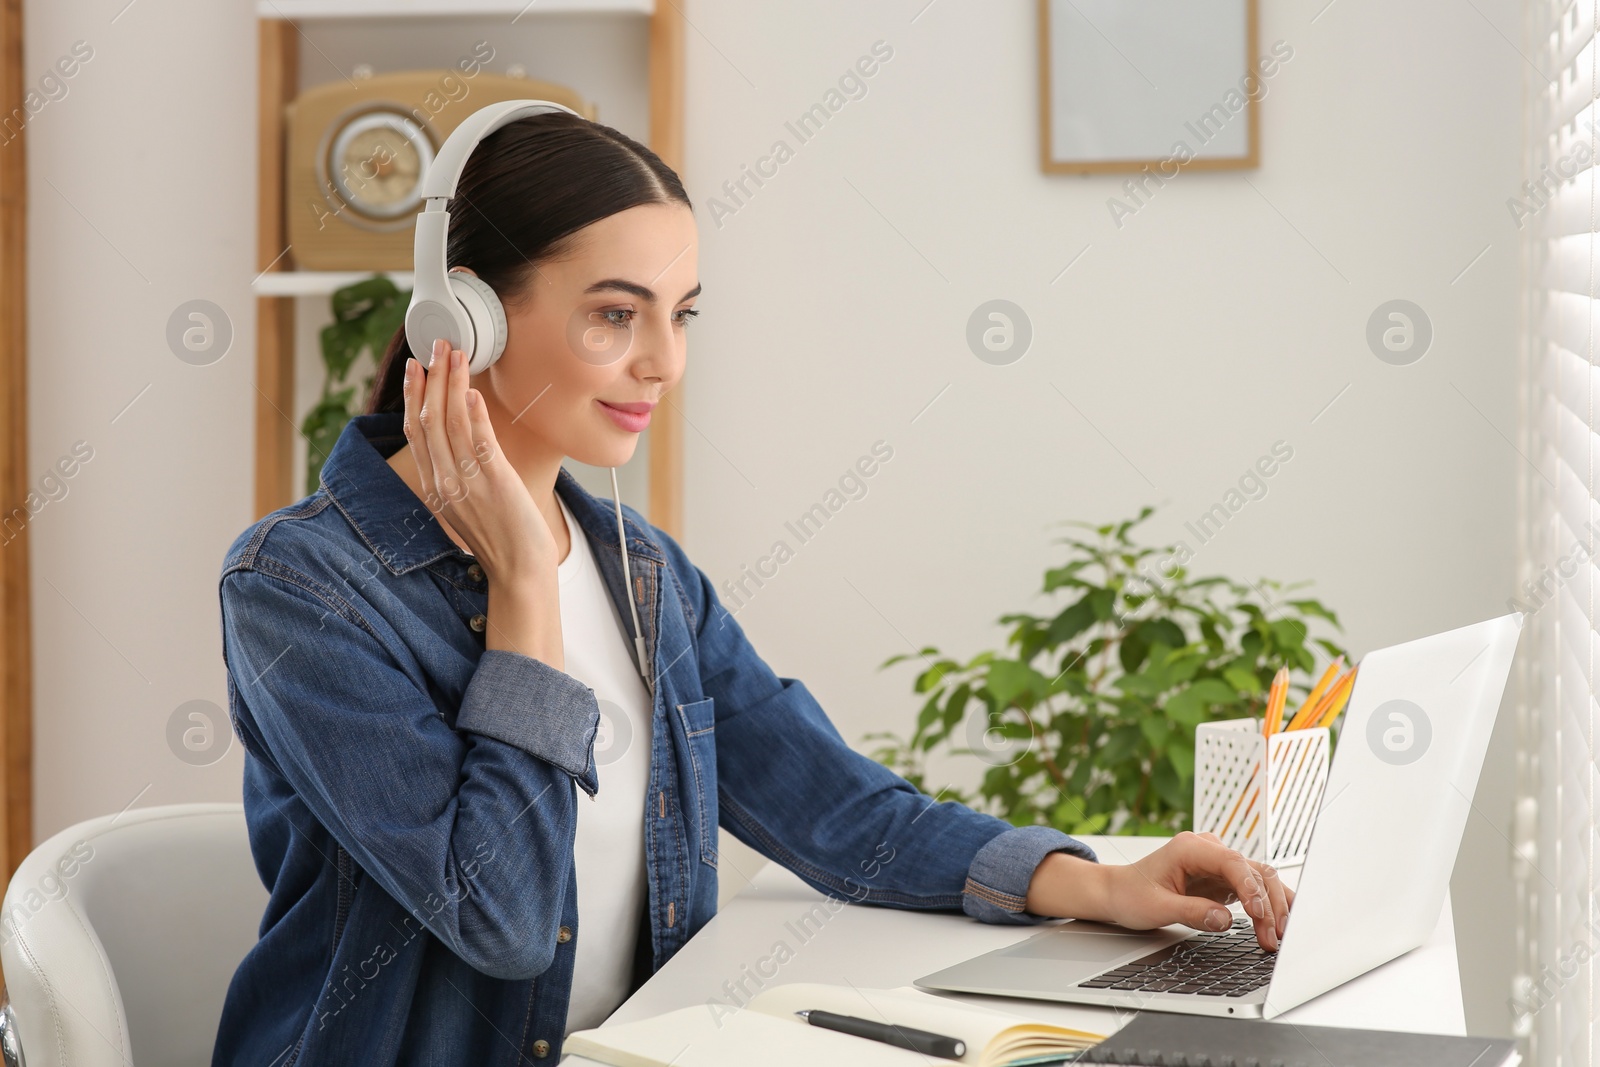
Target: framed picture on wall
{"x": 1125, "y": 84}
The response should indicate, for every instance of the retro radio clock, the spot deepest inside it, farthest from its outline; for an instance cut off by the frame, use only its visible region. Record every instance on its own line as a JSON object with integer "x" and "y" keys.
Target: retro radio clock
{"x": 356, "y": 152}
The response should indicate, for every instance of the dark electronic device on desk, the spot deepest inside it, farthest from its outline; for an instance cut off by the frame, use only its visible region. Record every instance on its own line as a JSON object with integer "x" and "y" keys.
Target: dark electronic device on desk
{"x": 1179, "y": 1041}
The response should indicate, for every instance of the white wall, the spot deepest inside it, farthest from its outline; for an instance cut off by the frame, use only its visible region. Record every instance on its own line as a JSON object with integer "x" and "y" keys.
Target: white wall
{"x": 1221, "y": 318}
{"x": 142, "y": 183}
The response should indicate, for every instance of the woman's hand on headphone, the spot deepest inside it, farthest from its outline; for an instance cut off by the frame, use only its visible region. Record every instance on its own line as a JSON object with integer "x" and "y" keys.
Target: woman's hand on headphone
{"x": 466, "y": 478}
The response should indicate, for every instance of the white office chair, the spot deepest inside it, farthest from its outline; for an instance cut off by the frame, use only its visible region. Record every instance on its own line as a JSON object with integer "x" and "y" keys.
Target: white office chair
{"x": 120, "y": 935}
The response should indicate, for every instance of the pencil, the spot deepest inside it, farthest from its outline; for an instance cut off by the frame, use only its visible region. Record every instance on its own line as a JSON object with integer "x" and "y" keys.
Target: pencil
{"x": 1335, "y": 701}
{"x": 1340, "y": 688}
{"x": 1304, "y": 715}
{"x": 1266, "y": 712}
{"x": 1283, "y": 699}
{"x": 1276, "y": 697}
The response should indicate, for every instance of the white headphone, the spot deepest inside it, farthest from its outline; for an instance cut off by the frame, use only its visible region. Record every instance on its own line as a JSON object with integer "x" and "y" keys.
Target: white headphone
{"x": 457, "y": 306}
{"x": 461, "y": 307}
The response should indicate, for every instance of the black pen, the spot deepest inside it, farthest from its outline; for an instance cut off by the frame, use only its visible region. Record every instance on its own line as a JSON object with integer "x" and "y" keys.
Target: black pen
{"x": 950, "y": 1048}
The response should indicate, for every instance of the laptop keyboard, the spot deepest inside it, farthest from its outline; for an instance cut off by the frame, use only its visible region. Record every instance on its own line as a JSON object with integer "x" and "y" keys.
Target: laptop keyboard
{"x": 1229, "y": 963}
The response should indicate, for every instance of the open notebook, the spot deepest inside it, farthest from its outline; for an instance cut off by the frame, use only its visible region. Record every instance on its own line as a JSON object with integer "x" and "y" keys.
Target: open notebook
{"x": 767, "y": 1031}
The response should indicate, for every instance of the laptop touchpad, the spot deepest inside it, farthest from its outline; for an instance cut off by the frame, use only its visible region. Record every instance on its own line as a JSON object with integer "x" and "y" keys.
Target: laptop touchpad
{"x": 1084, "y": 946}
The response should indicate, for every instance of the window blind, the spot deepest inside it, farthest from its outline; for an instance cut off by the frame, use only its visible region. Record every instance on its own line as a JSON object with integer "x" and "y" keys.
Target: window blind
{"x": 1552, "y": 995}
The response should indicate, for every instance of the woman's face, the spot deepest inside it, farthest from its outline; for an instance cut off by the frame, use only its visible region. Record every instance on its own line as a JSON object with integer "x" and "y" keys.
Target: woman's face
{"x": 599, "y": 338}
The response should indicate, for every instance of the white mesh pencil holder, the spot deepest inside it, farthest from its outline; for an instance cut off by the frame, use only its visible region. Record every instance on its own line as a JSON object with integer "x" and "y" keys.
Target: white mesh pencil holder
{"x": 1228, "y": 799}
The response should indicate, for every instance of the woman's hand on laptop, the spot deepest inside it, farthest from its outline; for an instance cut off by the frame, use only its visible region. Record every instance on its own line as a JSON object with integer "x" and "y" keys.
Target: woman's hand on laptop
{"x": 1188, "y": 880}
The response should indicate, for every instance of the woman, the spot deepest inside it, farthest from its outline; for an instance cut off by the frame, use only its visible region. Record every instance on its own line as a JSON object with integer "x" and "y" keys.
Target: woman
{"x": 419, "y": 654}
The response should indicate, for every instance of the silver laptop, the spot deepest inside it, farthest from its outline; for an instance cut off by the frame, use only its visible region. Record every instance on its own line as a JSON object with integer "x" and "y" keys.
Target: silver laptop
{"x": 1397, "y": 798}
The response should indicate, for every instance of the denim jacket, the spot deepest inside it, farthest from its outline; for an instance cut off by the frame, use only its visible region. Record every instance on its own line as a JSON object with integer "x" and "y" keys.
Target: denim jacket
{"x": 411, "y": 797}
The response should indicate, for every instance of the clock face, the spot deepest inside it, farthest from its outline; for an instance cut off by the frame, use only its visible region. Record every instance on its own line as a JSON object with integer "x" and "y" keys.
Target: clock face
{"x": 373, "y": 167}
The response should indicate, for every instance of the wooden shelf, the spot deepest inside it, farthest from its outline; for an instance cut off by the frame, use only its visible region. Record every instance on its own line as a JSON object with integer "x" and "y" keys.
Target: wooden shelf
{"x": 320, "y": 282}
{"x": 345, "y": 9}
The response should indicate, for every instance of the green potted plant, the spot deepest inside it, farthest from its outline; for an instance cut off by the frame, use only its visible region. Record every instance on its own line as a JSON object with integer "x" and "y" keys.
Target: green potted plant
{"x": 1086, "y": 719}
{"x": 365, "y": 316}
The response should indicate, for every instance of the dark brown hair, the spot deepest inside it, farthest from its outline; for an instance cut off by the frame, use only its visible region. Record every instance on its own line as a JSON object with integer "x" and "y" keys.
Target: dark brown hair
{"x": 525, "y": 190}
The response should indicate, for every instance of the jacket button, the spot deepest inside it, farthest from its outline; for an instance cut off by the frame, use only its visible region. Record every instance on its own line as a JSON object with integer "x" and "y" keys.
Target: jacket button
{"x": 475, "y": 572}
{"x": 541, "y": 1048}
{"x": 479, "y": 622}
{"x": 564, "y": 934}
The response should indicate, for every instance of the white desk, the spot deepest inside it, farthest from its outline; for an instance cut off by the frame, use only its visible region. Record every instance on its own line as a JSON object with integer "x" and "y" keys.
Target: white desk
{"x": 888, "y": 947}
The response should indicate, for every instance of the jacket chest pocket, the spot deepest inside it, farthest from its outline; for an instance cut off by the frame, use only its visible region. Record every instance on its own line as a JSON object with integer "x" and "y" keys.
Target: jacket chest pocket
{"x": 698, "y": 719}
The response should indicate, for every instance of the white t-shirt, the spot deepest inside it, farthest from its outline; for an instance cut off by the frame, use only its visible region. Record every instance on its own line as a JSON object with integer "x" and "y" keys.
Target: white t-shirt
{"x": 597, "y": 647}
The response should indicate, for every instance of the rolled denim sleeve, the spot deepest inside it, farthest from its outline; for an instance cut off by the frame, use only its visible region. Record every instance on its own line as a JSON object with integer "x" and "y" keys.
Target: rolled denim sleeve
{"x": 507, "y": 683}
{"x": 997, "y": 880}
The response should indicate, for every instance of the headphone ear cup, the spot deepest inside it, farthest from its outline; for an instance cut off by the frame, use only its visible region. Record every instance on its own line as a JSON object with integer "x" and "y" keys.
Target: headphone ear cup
{"x": 488, "y": 319}
{"x": 430, "y": 319}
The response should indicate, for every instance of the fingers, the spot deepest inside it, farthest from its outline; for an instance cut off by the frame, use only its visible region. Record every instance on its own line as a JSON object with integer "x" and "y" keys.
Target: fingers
{"x": 1280, "y": 895}
{"x": 1240, "y": 874}
{"x": 414, "y": 380}
{"x": 484, "y": 445}
{"x": 1193, "y": 877}
{"x": 457, "y": 421}
{"x": 1201, "y": 913}
{"x": 1274, "y": 906}
{"x": 1212, "y": 857}
{"x": 433, "y": 415}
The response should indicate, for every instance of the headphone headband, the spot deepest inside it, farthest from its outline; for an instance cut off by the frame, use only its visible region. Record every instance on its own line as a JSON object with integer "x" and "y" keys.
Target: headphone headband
{"x": 451, "y": 160}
